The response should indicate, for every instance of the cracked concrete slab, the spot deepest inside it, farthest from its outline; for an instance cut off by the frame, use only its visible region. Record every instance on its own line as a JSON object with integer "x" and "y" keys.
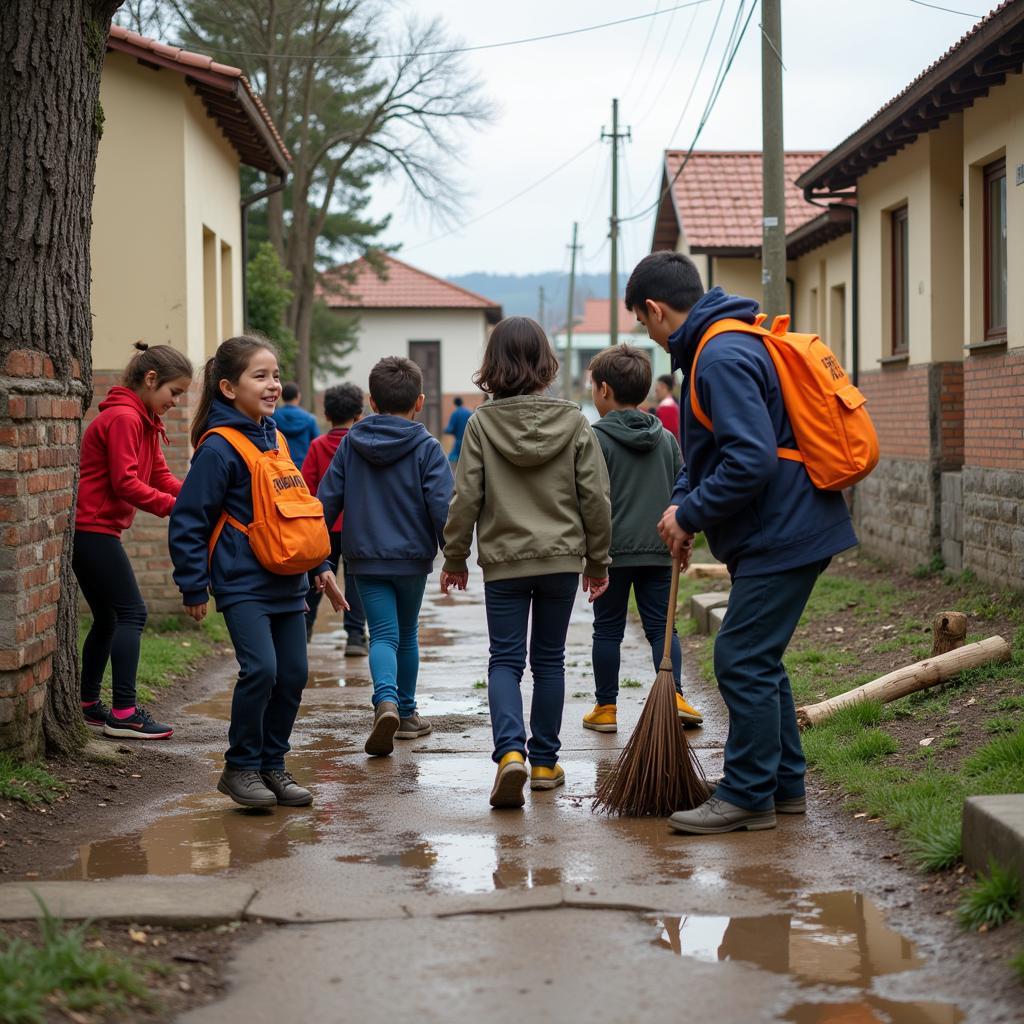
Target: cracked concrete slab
{"x": 179, "y": 901}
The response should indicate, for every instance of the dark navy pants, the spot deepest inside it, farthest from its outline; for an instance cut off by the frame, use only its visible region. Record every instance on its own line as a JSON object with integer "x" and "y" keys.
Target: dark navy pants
{"x": 651, "y": 585}
{"x": 509, "y": 604}
{"x": 764, "y": 760}
{"x": 271, "y": 651}
{"x": 355, "y": 617}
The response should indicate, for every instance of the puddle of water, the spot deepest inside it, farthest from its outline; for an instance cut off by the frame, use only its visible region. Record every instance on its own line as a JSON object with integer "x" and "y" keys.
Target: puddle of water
{"x": 872, "y": 1010}
{"x": 837, "y": 938}
{"x": 332, "y": 681}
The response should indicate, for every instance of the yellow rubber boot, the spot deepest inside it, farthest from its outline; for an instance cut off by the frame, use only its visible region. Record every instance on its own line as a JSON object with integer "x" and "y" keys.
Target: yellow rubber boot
{"x": 546, "y": 778}
{"x": 601, "y": 719}
{"x": 510, "y": 781}
{"x": 687, "y": 712}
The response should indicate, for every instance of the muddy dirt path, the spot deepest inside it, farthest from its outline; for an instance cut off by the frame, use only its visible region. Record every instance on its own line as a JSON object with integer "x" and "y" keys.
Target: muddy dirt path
{"x": 551, "y": 909}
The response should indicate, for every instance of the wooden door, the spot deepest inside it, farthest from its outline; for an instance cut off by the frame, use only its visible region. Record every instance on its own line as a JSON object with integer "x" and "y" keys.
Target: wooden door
{"x": 427, "y": 356}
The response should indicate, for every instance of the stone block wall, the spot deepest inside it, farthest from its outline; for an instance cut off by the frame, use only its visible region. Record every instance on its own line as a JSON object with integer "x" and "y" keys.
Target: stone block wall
{"x": 39, "y": 439}
{"x": 993, "y": 475}
{"x": 146, "y": 541}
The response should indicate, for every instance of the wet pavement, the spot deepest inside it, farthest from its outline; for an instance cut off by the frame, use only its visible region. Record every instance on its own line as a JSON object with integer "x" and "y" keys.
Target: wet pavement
{"x": 548, "y": 909}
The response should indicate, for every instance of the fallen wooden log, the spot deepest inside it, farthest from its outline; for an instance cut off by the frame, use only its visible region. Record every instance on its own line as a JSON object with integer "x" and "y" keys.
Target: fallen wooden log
{"x": 706, "y": 571}
{"x": 909, "y": 679}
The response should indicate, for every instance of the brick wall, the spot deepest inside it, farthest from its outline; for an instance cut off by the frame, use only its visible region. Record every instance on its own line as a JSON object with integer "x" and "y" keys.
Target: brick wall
{"x": 146, "y": 541}
{"x": 39, "y": 439}
{"x": 898, "y": 399}
{"x": 993, "y": 475}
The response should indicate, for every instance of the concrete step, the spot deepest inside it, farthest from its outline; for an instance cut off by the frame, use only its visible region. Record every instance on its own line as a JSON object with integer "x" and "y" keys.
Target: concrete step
{"x": 701, "y": 606}
{"x": 993, "y": 830}
{"x": 715, "y": 617}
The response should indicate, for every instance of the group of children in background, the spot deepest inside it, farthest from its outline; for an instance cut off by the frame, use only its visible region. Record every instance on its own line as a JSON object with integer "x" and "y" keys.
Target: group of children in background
{"x": 548, "y": 497}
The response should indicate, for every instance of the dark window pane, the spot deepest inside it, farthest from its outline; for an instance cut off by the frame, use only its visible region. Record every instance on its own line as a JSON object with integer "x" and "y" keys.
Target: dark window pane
{"x": 995, "y": 230}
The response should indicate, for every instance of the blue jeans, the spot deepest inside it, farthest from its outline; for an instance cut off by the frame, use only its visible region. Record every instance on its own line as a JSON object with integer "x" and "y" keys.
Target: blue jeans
{"x": 764, "y": 760}
{"x": 509, "y": 603}
{"x": 271, "y": 652}
{"x": 392, "y": 606}
{"x": 355, "y": 618}
{"x": 651, "y": 584}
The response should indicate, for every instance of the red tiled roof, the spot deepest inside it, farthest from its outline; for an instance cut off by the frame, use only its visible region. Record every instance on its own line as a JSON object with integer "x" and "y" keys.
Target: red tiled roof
{"x": 718, "y": 197}
{"x": 597, "y": 319}
{"x": 403, "y": 287}
{"x": 226, "y": 92}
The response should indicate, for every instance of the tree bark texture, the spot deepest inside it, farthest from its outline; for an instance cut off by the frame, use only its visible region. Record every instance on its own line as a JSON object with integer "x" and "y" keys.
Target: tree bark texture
{"x": 949, "y": 631}
{"x": 51, "y": 57}
{"x": 909, "y": 679}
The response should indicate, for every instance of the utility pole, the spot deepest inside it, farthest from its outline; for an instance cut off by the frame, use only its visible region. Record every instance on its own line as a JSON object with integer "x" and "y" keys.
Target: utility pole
{"x": 613, "y": 222}
{"x": 540, "y": 308}
{"x": 773, "y": 167}
{"x": 567, "y": 387}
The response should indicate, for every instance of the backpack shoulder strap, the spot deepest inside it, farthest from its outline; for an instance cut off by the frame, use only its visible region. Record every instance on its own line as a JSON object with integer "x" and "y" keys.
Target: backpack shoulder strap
{"x": 249, "y": 452}
{"x": 726, "y": 326}
{"x": 282, "y": 442}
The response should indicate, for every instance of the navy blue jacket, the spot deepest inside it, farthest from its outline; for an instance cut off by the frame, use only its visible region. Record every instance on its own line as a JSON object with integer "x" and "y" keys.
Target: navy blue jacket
{"x": 219, "y": 479}
{"x": 299, "y": 427}
{"x": 761, "y": 514}
{"x": 393, "y": 482}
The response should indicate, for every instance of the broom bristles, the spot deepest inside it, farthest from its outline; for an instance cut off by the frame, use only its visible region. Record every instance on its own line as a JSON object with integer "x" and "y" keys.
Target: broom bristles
{"x": 657, "y": 773}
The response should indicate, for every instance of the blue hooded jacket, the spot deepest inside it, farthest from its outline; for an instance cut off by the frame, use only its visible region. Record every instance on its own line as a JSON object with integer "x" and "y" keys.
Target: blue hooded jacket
{"x": 217, "y": 480}
{"x": 761, "y": 514}
{"x": 391, "y": 478}
{"x": 299, "y": 427}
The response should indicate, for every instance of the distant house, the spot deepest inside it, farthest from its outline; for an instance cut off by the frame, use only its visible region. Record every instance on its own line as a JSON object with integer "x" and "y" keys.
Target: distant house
{"x": 713, "y": 213}
{"x": 592, "y": 332}
{"x": 167, "y": 254}
{"x": 439, "y": 325}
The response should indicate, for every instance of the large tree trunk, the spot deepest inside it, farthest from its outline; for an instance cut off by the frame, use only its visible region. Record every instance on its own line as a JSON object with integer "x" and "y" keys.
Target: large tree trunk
{"x": 51, "y": 56}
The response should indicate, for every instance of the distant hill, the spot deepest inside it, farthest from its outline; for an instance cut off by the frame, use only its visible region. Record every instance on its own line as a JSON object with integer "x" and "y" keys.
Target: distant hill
{"x": 519, "y": 293}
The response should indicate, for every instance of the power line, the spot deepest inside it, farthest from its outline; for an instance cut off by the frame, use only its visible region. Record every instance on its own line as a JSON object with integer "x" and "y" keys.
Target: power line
{"x": 709, "y": 107}
{"x": 641, "y": 55}
{"x": 666, "y": 79}
{"x": 507, "y": 202}
{"x": 474, "y": 47}
{"x": 948, "y": 10}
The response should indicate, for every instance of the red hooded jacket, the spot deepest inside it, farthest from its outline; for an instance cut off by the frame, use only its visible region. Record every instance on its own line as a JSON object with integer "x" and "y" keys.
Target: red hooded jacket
{"x": 318, "y": 458}
{"x": 122, "y": 466}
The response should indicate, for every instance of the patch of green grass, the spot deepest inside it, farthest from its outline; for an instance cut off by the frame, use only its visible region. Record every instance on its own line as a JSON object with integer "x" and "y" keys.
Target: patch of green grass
{"x": 60, "y": 972}
{"x": 870, "y": 600}
{"x": 1017, "y": 965}
{"x": 30, "y": 783}
{"x": 1010, "y": 704}
{"x": 931, "y": 568}
{"x": 631, "y": 684}
{"x": 480, "y": 684}
{"x": 1001, "y": 723}
{"x": 992, "y": 900}
{"x": 952, "y": 738}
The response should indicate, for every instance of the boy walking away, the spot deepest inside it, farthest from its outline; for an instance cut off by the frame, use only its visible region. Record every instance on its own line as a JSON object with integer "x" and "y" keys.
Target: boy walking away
{"x": 761, "y": 515}
{"x": 643, "y": 461}
{"x": 298, "y": 426}
{"x": 667, "y": 409}
{"x": 457, "y": 427}
{"x": 343, "y": 407}
{"x": 393, "y": 482}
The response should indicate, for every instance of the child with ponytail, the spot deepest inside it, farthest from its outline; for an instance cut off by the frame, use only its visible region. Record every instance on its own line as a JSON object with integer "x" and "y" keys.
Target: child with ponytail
{"x": 216, "y": 547}
{"x": 123, "y": 469}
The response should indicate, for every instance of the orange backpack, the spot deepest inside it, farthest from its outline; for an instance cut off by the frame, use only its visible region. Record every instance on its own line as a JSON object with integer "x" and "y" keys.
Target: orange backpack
{"x": 287, "y": 534}
{"x": 836, "y": 440}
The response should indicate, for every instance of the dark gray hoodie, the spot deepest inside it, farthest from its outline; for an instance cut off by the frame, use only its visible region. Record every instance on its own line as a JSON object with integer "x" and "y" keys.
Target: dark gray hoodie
{"x": 643, "y": 462}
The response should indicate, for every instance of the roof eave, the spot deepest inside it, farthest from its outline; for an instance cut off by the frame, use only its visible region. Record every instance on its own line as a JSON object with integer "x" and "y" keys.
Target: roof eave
{"x": 982, "y": 61}
{"x": 831, "y": 224}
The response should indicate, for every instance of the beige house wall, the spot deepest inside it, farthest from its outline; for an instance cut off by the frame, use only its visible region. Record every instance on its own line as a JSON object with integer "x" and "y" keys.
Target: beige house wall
{"x": 994, "y": 128}
{"x": 138, "y": 232}
{"x": 387, "y": 332}
{"x": 824, "y": 306}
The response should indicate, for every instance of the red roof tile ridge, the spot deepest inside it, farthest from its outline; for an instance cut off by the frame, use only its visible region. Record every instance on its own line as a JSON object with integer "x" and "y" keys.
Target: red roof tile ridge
{"x": 175, "y": 53}
{"x": 265, "y": 114}
{"x": 448, "y": 284}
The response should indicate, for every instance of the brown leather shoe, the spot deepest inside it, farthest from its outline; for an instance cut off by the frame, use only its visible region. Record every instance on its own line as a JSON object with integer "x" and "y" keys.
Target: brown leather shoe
{"x": 381, "y": 740}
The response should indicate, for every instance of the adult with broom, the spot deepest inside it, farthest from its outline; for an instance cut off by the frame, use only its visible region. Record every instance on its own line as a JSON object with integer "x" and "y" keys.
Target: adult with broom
{"x": 762, "y": 516}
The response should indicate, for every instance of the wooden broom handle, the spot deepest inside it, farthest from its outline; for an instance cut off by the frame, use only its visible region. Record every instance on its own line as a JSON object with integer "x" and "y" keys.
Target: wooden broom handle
{"x": 670, "y": 620}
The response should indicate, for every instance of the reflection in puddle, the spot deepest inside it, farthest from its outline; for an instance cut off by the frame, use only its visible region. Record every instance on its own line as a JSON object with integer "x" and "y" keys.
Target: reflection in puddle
{"x": 838, "y": 938}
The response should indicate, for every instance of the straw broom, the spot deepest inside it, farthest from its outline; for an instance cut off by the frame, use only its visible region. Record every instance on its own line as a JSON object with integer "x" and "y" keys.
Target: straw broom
{"x": 657, "y": 773}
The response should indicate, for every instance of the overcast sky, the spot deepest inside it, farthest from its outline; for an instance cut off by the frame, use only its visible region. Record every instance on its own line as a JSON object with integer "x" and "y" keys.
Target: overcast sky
{"x": 843, "y": 61}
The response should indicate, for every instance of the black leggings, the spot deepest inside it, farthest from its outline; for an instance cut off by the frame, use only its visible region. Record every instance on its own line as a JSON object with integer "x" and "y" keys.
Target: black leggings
{"x": 118, "y": 615}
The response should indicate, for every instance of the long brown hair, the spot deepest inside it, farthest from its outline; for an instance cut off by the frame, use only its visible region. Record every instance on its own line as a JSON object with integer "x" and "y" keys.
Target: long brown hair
{"x": 229, "y": 362}
{"x": 518, "y": 359}
{"x": 163, "y": 360}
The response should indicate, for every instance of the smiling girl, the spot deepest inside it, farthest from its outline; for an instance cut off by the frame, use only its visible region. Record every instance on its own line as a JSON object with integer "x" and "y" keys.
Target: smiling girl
{"x": 123, "y": 469}
{"x": 264, "y": 610}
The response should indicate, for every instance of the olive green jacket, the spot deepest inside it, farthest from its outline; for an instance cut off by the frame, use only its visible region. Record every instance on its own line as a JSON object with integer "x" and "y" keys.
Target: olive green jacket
{"x": 532, "y": 480}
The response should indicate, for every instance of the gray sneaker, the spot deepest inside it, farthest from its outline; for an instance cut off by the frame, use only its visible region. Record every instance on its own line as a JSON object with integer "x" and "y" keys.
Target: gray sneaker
{"x": 245, "y": 787}
{"x": 385, "y": 725}
{"x": 715, "y": 816}
{"x": 288, "y": 792}
{"x": 413, "y": 727}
